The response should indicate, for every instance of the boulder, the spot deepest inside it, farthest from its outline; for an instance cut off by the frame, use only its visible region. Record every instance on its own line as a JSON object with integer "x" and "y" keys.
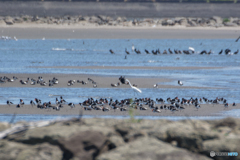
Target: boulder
{"x": 9, "y": 20}
{"x": 86, "y": 145}
{"x": 12, "y": 150}
{"x": 230, "y": 24}
{"x": 217, "y": 19}
{"x": 149, "y": 148}
{"x": 222, "y": 145}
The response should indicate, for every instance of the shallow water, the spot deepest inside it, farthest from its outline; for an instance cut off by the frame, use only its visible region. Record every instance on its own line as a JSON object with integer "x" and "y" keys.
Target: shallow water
{"x": 24, "y": 56}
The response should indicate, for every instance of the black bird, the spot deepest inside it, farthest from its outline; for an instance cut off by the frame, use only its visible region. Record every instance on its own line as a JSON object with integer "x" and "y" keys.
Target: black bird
{"x": 71, "y": 105}
{"x": 180, "y": 83}
{"x": 236, "y": 52}
{"x": 147, "y": 51}
{"x": 237, "y": 39}
{"x": 32, "y": 103}
{"x": 126, "y": 51}
{"x": 21, "y": 102}
{"x": 220, "y": 52}
{"x": 111, "y": 51}
{"x": 204, "y": 51}
{"x": 227, "y": 51}
{"x": 18, "y": 106}
{"x": 122, "y": 79}
{"x": 170, "y": 51}
{"x": 9, "y": 103}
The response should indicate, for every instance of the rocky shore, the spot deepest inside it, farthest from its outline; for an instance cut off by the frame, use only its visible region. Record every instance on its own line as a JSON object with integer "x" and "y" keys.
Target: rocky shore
{"x": 105, "y": 139}
{"x": 95, "y": 21}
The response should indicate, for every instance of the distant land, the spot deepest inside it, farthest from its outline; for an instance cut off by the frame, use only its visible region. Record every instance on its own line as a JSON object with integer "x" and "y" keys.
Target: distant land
{"x": 115, "y": 9}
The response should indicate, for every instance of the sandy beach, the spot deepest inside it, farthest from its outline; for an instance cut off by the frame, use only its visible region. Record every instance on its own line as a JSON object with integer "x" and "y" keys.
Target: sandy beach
{"x": 92, "y": 32}
{"x": 102, "y": 81}
{"x": 205, "y": 110}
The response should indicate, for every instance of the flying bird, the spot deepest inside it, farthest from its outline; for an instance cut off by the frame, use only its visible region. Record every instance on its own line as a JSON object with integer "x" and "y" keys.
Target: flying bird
{"x": 134, "y": 88}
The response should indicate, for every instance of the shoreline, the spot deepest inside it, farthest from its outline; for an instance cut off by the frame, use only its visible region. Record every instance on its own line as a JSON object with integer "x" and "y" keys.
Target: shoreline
{"x": 101, "y": 81}
{"x": 76, "y": 32}
{"x": 205, "y": 110}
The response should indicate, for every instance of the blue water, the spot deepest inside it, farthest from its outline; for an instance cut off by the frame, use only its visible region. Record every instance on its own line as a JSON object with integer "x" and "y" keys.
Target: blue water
{"x": 28, "y": 56}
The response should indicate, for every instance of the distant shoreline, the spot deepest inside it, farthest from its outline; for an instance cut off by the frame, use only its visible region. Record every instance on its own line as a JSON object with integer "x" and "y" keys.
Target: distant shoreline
{"x": 75, "y": 32}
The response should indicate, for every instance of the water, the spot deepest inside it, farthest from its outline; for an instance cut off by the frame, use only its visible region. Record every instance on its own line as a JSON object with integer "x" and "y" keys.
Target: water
{"x": 29, "y": 56}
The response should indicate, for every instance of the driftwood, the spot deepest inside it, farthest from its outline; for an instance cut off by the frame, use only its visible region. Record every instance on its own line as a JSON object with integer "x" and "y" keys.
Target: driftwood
{"x": 15, "y": 128}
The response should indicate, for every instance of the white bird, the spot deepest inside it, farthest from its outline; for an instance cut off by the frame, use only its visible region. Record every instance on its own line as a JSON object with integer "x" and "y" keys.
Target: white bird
{"x": 180, "y": 83}
{"x": 43, "y": 38}
{"x": 133, "y": 48}
{"x": 191, "y": 49}
{"x": 135, "y": 88}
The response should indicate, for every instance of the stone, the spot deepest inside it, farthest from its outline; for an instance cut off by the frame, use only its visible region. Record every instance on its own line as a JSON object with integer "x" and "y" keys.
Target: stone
{"x": 4, "y": 125}
{"x": 149, "y": 149}
{"x": 217, "y": 19}
{"x": 222, "y": 145}
{"x": 86, "y": 145}
{"x": 12, "y": 150}
{"x": 9, "y": 20}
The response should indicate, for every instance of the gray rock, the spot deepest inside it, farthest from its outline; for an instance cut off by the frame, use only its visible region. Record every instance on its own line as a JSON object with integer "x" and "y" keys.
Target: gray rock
{"x": 18, "y": 20}
{"x": 86, "y": 145}
{"x": 12, "y": 150}
{"x": 149, "y": 149}
{"x": 230, "y": 24}
{"x": 222, "y": 145}
{"x": 192, "y": 23}
{"x": 9, "y": 20}
{"x": 217, "y": 19}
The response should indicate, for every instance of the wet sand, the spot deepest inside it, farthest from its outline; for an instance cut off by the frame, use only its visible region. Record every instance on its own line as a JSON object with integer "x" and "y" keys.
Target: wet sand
{"x": 88, "y": 32}
{"x": 205, "y": 110}
{"x": 102, "y": 81}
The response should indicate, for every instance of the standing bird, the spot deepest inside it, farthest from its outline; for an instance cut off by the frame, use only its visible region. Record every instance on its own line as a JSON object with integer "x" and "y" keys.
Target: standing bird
{"x": 32, "y": 103}
{"x": 126, "y": 51}
{"x": 111, "y": 51}
{"x": 134, "y": 88}
{"x": 220, "y": 52}
{"x": 236, "y": 52}
{"x": 21, "y": 102}
{"x": 234, "y": 104}
{"x": 180, "y": 83}
{"x": 9, "y": 103}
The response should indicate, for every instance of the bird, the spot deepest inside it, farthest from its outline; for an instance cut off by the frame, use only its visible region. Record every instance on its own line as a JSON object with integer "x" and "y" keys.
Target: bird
{"x": 18, "y": 106}
{"x": 32, "y": 103}
{"x": 111, "y": 51}
{"x": 197, "y": 106}
{"x": 220, "y": 52}
{"x": 126, "y": 51}
{"x": 155, "y": 86}
{"x": 237, "y": 39}
{"x": 134, "y": 88}
{"x": 234, "y": 104}
{"x": 236, "y": 52}
{"x": 156, "y": 110}
{"x": 9, "y": 103}
{"x": 180, "y": 83}
{"x": 21, "y": 102}
{"x": 226, "y": 105}
{"x": 71, "y": 105}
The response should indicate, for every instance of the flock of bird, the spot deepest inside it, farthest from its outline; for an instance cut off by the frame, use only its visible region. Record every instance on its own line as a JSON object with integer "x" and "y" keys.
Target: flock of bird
{"x": 176, "y": 51}
{"x": 101, "y": 104}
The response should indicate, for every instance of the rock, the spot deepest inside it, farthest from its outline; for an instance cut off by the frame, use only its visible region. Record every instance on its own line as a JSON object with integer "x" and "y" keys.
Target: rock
{"x": 230, "y": 24}
{"x": 217, "y": 19}
{"x": 149, "y": 148}
{"x": 94, "y": 19}
{"x": 102, "y": 18}
{"x": 183, "y": 22}
{"x": 9, "y": 20}
{"x": 4, "y": 125}
{"x": 228, "y": 122}
{"x": 86, "y": 145}
{"x": 18, "y": 20}
{"x": 2, "y": 22}
{"x": 12, "y": 150}
{"x": 222, "y": 145}
{"x": 192, "y": 23}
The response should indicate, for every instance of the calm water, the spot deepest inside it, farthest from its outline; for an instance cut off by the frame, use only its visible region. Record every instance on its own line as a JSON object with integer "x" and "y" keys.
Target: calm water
{"x": 24, "y": 56}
